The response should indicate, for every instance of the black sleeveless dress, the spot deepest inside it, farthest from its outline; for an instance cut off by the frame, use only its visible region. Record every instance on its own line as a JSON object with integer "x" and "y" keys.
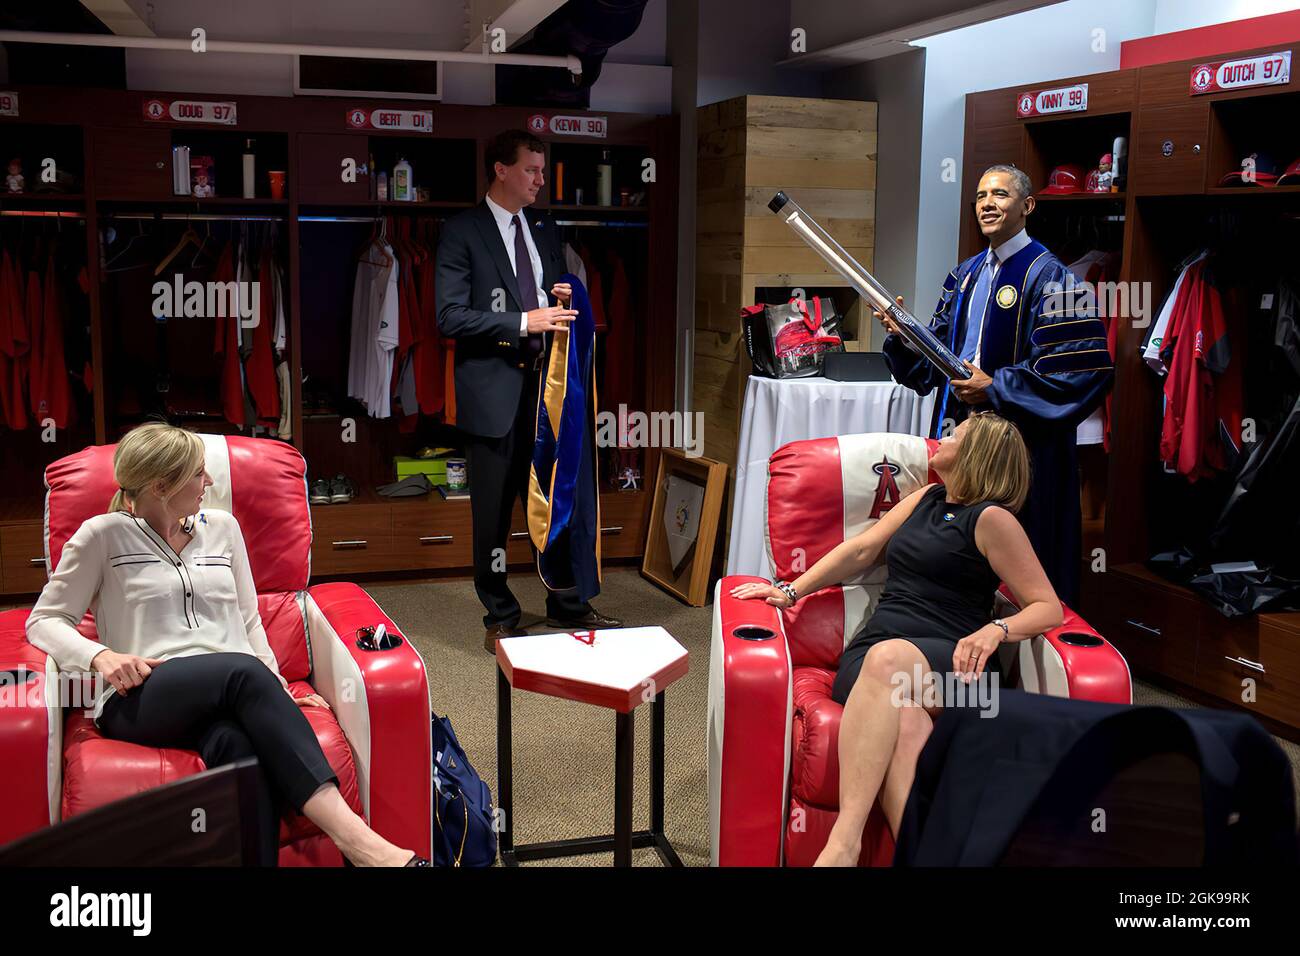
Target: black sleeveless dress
{"x": 940, "y": 589}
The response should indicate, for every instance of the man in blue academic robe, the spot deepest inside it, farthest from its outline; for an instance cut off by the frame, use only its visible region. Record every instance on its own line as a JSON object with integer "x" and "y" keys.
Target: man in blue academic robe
{"x": 1036, "y": 351}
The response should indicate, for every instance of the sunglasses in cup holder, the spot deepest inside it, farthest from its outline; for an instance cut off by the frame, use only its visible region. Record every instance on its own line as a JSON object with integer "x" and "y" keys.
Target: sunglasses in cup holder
{"x": 376, "y": 638}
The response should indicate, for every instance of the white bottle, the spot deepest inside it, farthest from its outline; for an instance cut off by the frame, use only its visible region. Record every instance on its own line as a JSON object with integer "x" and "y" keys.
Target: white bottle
{"x": 403, "y": 190}
{"x": 250, "y": 170}
{"x": 605, "y": 181}
{"x": 181, "y": 170}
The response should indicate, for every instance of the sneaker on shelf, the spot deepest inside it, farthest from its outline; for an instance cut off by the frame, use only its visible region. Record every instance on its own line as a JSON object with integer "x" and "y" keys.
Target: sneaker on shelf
{"x": 320, "y": 492}
{"x": 342, "y": 490}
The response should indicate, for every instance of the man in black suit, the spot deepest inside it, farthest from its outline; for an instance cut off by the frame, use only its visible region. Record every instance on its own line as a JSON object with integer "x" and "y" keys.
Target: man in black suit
{"x": 494, "y": 266}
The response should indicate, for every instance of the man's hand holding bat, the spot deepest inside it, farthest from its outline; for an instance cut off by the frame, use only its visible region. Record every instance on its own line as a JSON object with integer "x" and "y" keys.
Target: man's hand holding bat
{"x": 970, "y": 390}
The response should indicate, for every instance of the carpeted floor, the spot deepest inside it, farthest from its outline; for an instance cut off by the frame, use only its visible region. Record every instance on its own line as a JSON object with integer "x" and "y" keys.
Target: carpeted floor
{"x": 564, "y": 751}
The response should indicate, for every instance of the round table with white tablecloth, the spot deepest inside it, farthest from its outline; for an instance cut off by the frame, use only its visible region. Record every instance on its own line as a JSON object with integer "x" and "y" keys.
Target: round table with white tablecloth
{"x": 779, "y": 411}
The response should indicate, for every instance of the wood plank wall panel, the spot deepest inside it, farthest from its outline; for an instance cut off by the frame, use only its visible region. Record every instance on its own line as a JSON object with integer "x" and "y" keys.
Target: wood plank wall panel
{"x": 823, "y": 152}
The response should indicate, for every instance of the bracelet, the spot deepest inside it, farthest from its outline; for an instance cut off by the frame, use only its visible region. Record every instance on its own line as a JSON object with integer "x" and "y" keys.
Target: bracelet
{"x": 788, "y": 590}
{"x": 1006, "y": 630}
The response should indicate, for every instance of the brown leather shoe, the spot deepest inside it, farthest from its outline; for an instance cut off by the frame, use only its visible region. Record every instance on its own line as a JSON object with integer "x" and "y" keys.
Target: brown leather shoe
{"x": 591, "y": 621}
{"x": 498, "y": 631}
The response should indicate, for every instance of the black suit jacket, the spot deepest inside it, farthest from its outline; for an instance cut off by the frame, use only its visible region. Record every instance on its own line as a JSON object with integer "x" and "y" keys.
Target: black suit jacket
{"x": 472, "y": 266}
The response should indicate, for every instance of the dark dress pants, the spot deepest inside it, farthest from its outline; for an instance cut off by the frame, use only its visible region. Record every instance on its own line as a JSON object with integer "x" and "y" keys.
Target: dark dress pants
{"x": 227, "y": 707}
{"x": 498, "y": 475}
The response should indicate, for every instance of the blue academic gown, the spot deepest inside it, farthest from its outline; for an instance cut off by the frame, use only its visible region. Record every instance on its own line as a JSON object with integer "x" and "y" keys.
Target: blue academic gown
{"x": 1045, "y": 350}
{"x": 563, "y": 503}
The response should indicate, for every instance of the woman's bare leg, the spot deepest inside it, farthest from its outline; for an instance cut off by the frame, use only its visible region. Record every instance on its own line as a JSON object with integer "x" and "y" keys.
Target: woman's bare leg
{"x": 351, "y": 834}
{"x": 913, "y": 731}
{"x": 868, "y": 736}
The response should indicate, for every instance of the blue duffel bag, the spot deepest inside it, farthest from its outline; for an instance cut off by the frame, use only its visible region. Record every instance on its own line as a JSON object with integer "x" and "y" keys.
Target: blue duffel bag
{"x": 463, "y": 831}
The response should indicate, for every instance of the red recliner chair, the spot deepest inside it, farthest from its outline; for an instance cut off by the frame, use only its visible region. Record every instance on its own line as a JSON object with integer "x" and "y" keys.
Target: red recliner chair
{"x": 377, "y": 736}
{"x": 773, "y": 728}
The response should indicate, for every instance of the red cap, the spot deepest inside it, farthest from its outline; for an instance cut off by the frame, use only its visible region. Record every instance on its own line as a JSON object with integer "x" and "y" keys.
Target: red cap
{"x": 1292, "y": 172}
{"x": 1067, "y": 178}
{"x": 1265, "y": 172}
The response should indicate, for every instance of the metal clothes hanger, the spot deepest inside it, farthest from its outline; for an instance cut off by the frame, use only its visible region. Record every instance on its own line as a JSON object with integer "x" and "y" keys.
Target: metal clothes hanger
{"x": 208, "y": 235}
{"x": 373, "y": 245}
{"x": 127, "y": 248}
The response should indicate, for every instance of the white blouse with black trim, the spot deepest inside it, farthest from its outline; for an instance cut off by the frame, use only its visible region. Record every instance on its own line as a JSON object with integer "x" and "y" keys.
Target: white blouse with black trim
{"x": 148, "y": 599}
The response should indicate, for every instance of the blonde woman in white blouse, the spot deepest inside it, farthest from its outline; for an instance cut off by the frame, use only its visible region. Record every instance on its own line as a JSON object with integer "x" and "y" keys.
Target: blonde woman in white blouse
{"x": 181, "y": 643}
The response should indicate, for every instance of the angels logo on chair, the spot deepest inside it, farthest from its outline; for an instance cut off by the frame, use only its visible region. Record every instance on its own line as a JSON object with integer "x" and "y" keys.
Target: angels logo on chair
{"x": 773, "y": 727}
{"x": 886, "y": 489}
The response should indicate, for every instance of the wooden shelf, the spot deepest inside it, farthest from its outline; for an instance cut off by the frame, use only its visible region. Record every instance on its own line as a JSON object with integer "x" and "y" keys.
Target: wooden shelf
{"x": 30, "y": 199}
{"x": 382, "y": 204}
{"x": 556, "y": 208}
{"x": 1082, "y": 197}
{"x": 21, "y": 510}
{"x": 1140, "y": 572}
{"x": 1288, "y": 189}
{"x": 212, "y": 202}
{"x": 368, "y": 496}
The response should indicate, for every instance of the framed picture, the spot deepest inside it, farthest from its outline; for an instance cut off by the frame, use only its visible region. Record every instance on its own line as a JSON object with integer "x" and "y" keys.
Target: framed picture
{"x": 682, "y": 540}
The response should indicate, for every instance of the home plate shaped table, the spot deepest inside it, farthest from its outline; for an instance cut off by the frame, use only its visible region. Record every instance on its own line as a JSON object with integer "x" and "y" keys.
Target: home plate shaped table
{"x": 618, "y": 669}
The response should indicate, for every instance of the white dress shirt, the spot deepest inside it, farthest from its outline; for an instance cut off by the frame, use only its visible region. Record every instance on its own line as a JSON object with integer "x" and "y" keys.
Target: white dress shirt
{"x": 148, "y": 599}
{"x": 506, "y": 226}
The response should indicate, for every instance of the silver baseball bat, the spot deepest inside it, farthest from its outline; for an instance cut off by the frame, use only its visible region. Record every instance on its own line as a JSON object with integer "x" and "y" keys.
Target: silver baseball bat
{"x": 867, "y": 286}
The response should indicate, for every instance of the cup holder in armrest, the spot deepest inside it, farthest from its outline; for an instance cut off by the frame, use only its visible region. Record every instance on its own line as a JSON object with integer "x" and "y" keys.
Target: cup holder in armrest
{"x": 1080, "y": 639}
{"x": 377, "y": 638}
{"x": 753, "y": 632}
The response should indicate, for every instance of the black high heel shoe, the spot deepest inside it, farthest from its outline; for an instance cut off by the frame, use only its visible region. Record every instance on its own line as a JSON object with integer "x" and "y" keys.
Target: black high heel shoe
{"x": 417, "y": 860}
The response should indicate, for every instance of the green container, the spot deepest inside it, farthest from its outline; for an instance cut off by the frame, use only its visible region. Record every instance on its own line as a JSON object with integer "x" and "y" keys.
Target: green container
{"x": 435, "y": 468}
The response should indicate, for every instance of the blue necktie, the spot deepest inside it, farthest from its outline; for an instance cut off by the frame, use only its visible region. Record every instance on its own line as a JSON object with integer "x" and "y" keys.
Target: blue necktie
{"x": 979, "y": 305}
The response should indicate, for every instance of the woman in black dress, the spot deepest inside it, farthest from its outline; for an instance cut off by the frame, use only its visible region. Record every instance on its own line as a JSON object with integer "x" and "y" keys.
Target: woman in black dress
{"x": 948, "y": 547}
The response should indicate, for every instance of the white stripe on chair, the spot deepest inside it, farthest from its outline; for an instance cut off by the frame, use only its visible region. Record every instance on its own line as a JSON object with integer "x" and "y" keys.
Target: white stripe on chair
{"x": 859, "y": 454}
{"x": 217, "y": 461}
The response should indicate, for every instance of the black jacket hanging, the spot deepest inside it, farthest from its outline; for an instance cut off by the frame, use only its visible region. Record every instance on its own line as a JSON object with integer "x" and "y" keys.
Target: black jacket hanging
{"x": 1043, "y": 764}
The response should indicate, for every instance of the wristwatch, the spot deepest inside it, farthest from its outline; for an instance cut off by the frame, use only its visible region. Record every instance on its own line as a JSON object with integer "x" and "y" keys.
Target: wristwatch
{"x": 1006, "y": 631}
{"x": 788, "y": 590}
